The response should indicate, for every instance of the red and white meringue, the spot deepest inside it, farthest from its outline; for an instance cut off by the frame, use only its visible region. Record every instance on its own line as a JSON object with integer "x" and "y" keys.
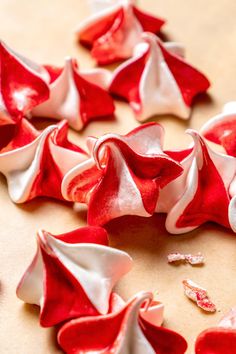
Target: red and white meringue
{"x": 76, "y": 96}
{"x": 23, "y": 85}
{"x": 113, "y": 32}
{"x": 219, "y": 340}
{"x": 123, "y": 175}
{"x": 34, "y": 163}
{"x": 126, "y": 329}
{"x": 221, "y": 129}
{"x": 160, "y": 80}
{"x": 201, "y": 193}
{"x": 72, "y": 275}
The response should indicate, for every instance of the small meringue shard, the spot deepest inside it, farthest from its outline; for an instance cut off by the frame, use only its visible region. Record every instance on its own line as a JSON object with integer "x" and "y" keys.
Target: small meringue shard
{"x": 24, "y": 85}
{"x": 113, "y": 31}
{"x": 34, "y": 163}
{"x": 229, "y": 320}
{"x": 160, "y": 80}
{"x": 72, "y": 275}
{"x": 123, "y": 175}
{"x": 122, "y": 331}
{"x": 198, "y": 295}
{"x": 76, "y": 96}
{"x": 189, "y": 258}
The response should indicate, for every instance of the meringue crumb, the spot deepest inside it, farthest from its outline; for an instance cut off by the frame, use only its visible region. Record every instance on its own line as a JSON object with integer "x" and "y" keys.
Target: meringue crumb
{"x": 189, "y": 258}
{"x": 199, "y": 295}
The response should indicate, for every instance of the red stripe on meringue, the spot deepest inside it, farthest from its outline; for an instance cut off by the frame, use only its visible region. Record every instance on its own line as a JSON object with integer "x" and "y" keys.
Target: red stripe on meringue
{"x": 228, "y": 141}
{"x": 148, "y": 22}
{"x": 17, "y": 135}
{"x": 94, "y": 102}
{"x": 48, "y": 181}
{"x": 87, "y": 234}
{"x": 163, "y": 340}
{"x": 53, "y": 71}
{"x": 7, "y": 133}
{"x": 21, "y": 89}
{"x": 223, "y": 132}
{"x": 97, "y": 29}
{"x": 64, "y": 297}
{"x": 125, "y": 83}
{"x": 211, "y": 200}
{"x": 105, "y": 47}
{"x": 80, "y": 186}
{"x": 190, "y": 81}
{"x": 105, "y": 192}
{"x": 216, "y": 341}
{"x": 178, "y": 155}
{"x": 60, "y": 137}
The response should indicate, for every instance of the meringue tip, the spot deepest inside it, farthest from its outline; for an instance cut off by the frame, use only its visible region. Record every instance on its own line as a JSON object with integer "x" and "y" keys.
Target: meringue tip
{"x": 42, "y": 238}
{"x": 68, "y": 59}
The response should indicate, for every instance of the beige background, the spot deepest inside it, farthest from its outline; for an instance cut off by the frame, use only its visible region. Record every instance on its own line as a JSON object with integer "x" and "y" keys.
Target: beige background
{"x": 43, "y": 31}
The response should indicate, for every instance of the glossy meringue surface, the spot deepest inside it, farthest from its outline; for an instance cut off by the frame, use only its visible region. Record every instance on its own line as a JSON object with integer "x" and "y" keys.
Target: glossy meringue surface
{"x": 19, "y": 244}
{"x": 72, "y": 274}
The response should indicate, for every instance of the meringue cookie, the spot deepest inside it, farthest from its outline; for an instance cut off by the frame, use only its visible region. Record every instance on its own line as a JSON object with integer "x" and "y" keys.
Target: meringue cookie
{"x": 34, "y": 163}
{"x": 76, "y": 97}
{"x": 114, "y": 31}
{"x": 160, "y": 80}
{"x": 122, "y": 331}
{"x": 72, "y": 275}
{"x": 123, "y": 175}
{"x": 219, "y": 340}
{"x": 24, "y": 84}
{"x": 221, "y": 129}
{"x": 201, "y": 193}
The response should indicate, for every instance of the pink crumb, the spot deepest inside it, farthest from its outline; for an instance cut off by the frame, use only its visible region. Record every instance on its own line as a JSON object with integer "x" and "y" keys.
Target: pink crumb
{"x": 198, "y": 295}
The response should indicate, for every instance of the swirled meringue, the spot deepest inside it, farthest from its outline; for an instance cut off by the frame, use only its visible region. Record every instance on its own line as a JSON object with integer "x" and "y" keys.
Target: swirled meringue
{"x": 125, "y": 330}
{"x": 219, "y": 340}
{"x": 23, "y": 85}
{"x": 221, "y": 129}
{"x": 113, "y": 32}
{"x": 72, "y": 275}
{"x": 160, "y": 80}
{"x": 76, "y": 96}
{"x": 34, "y": 163}
{"x": 123, "y": 175}
{"x": 201, "y": 193}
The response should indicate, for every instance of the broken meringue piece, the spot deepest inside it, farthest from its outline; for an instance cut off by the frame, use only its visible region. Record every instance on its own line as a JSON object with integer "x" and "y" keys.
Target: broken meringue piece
{"x": 199, "y": 295}
{"x": 76, "y": 96}
{"x": 34, "y": 162}
{"x": 24, "y": 85}
{"x": 113, "y": 32}
{"x": 175, "y": 257}
{"x": 195, "y": 259}
{"x": 191, "y": 259}
{"x": 229, "y": 320}
{"x": 219, "y": 340}
{"x": 221, "y": 129}
{"x": 123, "y": 330}
{"x": 72, "y": 274}
{"x": 123, "y": 175}
{"x": 201, "y": 193}
{"x": 160, "y": 80}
